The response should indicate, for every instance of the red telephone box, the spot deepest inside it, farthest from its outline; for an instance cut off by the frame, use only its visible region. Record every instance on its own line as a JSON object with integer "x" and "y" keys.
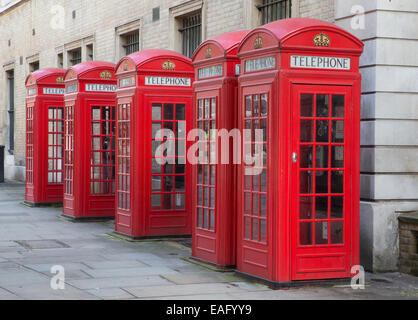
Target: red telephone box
{"x": 298, "y": 217}
{"x": 214, "y": 183}
{"x": 44, "y": 136}
{"x": 154, "y": 100}
{"x": 90, "y": 132}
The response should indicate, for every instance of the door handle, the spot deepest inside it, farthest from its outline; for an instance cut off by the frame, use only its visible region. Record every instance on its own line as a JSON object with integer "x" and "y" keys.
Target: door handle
{"x": 294, "y": 157}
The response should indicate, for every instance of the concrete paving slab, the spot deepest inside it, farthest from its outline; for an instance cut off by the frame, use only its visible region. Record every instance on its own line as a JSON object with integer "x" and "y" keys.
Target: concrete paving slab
{"x": 114, "y": 264}
{"x": 182, "y": 290}
{"x": 111, "y": 294}
{"x": 200, "y": 277}
{"x": 46, "y": 267}
{"x": 129, "y": 272}
{"x": 122, "y": 282}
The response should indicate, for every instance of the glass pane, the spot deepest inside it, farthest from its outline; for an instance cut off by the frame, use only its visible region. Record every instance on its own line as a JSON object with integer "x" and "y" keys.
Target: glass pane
{"x": 199, "y": 217}
{"x": 168, "y": 112}
{"x": 155, "y": 128}
{"x": 156, "y": 183}
{"x": 156, "y": 167}
{"x": 305, "y": 233}
{"x": 337, "y": 232}
{"x": 200, "y": 196}
{"x": 263, "y": 126}
{"x": 247, "y": 228}
{"x": 305, "y": 208}
{"x": 263, "y": 182}
{"x": 306, "y": 155}
{"x": 255, "y": 204}
{"x": 322, "y": 131}
{"x": 256, "y": 179}
{"x": 200, "y": 109}
{"x": 156, "y": 201}
{"x": 247, "y": 203}
{"x": 321, "y": 184}
{"x": 205, "y": 218}
{"x": 322, "y": 159}
{"x": 255, "y": 230}
{"x": 180, "y": 201}
{"x": 95, "y": 130}
{"x": 213, "y": 175}
{"x": 306, "y": 105}
{"x": 322, "y": 105}
{"x": 264, "y": 105}
{"x": 263, "y": 230}
{"x": 321, "y": 208}
{"x": 338, "y": 106}
{"x": 213, "y": 108}
{"x": 337, "y": 157}
{"x": 306, "y": 131}
{"x": 263, "y": 205}
{"x": 338, "y": 131}
{"x": 95, "y": 114}
{"x": 256, "y": 106}
{"x": 156, "y": 111}
{"x": 200, "y": 174}
{"x": 306, "y": 182}
{"x": 207, "y": 108}
{"x": 180, "y": 112}
{"x": 337, "y": 207}
{"x": 212, "y": 198}
{"x": 337, "y": 182}
{"x": 248, "y": 111}
{"x": 167, "y": 201}
{"x": 212, "y": 220}
{"x": 247, "y": 182}
{"x": 180, "y": 183}
{"x": 321, "y": 232}
{"x": 168, "y": 168}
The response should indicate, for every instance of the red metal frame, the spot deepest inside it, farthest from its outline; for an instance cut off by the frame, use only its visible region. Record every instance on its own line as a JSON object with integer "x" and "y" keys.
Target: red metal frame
{"x": 90, "y": 133}
{"x": 44, "y": 136}
{"x": 214, "y": 184}
{"x": 152, "y": 200}
{"x": 287, "y": 253}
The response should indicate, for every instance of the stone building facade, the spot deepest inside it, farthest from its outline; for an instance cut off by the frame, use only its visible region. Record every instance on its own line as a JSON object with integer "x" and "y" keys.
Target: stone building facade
{"x": 58, "y": 33}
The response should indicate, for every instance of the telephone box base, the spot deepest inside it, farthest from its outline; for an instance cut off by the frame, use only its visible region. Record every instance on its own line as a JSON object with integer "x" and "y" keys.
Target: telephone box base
{"x": 210, "y": 265}
{"x": 294, "y": 284}
{"x": 41, "y": 204}
{"x": 128, "y": 237}
{"x": 87, "y": 219}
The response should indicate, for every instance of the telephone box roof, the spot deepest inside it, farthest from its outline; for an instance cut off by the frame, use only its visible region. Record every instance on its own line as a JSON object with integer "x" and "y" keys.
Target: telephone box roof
{"x": 41, "y": 74}
{"x": 140, "y": 58}
{"x": 285, "y": 29}
{"x": 86, "y": 67}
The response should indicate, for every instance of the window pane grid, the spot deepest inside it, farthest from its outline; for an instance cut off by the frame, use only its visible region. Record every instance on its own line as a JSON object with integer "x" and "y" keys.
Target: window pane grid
{"x": 168, "y": 180}
{"x": 55, "y": 144}
{"x": 124, "y": 156}
{"x": 132, "y": 43}
{"x": 206, "y": 184}
{"x": 69, "y": 150}
{"x": 321, "y": 170}
{"x": 255, "y": 186}
{"x": 29, "y": 144}
{"x": 103, "y": 132}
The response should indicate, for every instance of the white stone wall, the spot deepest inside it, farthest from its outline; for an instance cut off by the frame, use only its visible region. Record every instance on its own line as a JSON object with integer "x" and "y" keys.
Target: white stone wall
{"x": 389, "y": 132}
{"x": 97, "y": 23}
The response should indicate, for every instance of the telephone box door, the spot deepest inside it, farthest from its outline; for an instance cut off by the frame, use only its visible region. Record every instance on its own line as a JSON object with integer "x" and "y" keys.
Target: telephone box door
{"x": 169, "y": 183}
{"x": 321, "y": 183}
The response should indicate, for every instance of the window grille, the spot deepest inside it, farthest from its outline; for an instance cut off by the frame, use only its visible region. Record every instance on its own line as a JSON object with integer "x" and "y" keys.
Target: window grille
{"x": 131, "y": 43}
{"x": 191, "y": 33}
{"x": 272, "y": 10}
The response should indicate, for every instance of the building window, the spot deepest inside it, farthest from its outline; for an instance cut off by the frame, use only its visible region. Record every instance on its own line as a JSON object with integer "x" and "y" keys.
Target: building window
{"x": 89, "y": 52}
{"x": 33, "y": 66}
{"x": 272, "y": 10}
{"x": 60, "y": 60}
{"x": 11, "y": 111}
{"x": 130, "y": 42}
{"x": 74, "y": 57}
{"x": 191, "y": 33}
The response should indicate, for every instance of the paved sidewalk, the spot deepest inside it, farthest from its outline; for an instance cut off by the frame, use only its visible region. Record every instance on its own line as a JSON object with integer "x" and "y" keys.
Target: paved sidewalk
{"x": 98, "y": 266}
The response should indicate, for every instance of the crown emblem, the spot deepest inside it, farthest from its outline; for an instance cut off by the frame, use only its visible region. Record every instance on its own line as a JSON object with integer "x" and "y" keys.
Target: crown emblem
{"x": 60, "y": 80}
{"x": 125, "y": 66}
{"x": 321, "y": 40}
{"x": 258, "y": 43}
{"x": 169, "y": 65}
{"x": 106, "y": 75}
{"x": 208, "y": 53}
